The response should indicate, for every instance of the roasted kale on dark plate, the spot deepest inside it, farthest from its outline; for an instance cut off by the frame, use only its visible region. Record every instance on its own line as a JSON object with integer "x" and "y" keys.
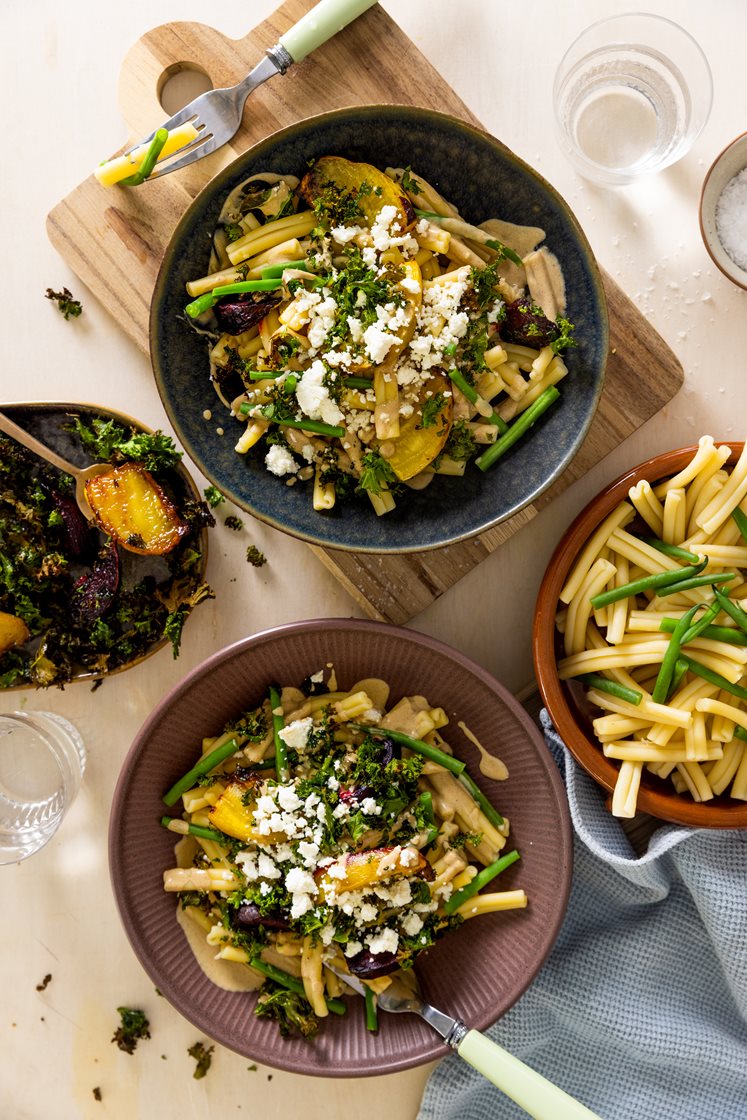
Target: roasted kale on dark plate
{"x": 73, "y": 603}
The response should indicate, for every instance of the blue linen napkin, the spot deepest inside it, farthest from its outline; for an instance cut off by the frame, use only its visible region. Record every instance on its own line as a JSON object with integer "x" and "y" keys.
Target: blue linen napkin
{"x": 640, "y": 1011}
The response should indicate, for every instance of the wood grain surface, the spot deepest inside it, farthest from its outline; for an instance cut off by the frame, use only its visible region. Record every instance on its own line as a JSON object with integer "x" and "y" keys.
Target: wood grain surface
{"x": 114, "y": 241}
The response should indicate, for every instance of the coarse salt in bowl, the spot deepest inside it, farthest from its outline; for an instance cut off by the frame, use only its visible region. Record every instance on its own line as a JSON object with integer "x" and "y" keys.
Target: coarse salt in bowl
{"x": 723, "y": 211}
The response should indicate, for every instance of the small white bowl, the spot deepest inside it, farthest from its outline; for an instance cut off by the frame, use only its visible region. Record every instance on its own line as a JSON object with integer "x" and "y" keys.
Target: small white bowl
{"x": 732, "y": 160}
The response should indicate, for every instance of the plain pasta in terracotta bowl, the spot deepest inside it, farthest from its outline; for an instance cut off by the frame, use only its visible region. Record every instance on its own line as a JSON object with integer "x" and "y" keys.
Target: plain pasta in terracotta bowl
{"x": 640, "y": 637}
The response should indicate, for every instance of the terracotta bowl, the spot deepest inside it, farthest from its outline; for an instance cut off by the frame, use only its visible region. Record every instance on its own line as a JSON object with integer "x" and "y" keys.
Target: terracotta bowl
{"x": 477, "y": 972}
{"x": 565, "y": 701}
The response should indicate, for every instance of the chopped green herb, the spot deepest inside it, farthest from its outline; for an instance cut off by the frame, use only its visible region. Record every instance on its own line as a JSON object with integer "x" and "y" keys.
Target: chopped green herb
{"x": 255, "y": 557}
{"x": 410, "y": 183}
{"x": 376, "y": 474}
{"x": 432, "y": 409}
{"x": 213, "y": 496}
{"x": 133, "y": 1027}
{"x": 68, "y": 307}
{"x": 203, "y": 1056}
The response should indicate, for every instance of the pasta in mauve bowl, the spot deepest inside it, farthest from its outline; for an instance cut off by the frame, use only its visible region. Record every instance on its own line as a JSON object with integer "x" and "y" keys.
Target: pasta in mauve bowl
{"x": 574, "y": 707}
{"x": 479, "y": 176}
{"x": 476, "y": 971}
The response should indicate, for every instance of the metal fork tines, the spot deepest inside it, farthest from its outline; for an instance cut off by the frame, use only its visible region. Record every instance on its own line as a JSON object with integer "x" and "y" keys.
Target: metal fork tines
{"x": 216, "y": 114}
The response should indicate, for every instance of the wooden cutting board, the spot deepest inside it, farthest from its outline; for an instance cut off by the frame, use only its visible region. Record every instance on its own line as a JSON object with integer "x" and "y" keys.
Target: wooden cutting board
{"x": 114, "y": 241}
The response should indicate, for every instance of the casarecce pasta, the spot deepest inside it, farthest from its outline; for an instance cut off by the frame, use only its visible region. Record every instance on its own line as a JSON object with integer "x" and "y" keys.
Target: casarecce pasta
{"x": 654, "y": 623}
{"x": 324, "y": 828}
{"x": 368, "y": 337}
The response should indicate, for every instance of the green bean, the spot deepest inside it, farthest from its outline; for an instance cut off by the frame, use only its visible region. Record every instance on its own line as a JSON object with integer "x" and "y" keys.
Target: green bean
{"x": 477, "y": 795}
{"x": 417, "y": 745}
{"x": 292, "y": 983}
{"x": 480, "y": 880}
{"x": 209, "y": 299}
{"x": 595, "y": 680}
{"x": 372, "y": 1018}
{"x": 194, "y": 830}
{"x": 741, "y": 519}
{"x": 673, "y": 550}
{"x": 731, "y": 608}
{"x": 426, "y": 800}
{"x": 698, "y": 627}
{"x": 278, "y": 723}
{"x": 740, "y": 732}
{"x": 666, "y": 670}
{"x": 520, "y": 426}
{"x": 680, "y": 668}
{"x": 357, "y": 383}
{"x": 715, "y": 678}
{"x": 160, "y": 137}
{"x": 646, "y": 583}
{"x": 728, "y": 634}
{"x": 262, "y": 375}
{"x": 696, "y": 581}
{"x": 272, "y": 271}
{"x": 315, "y": 426}
{"x": 207, "y": 763}
{"x": 473, "y": 396}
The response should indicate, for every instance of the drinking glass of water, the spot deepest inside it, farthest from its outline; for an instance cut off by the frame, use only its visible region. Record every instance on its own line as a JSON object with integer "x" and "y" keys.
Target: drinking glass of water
{"x": 631, "y": 96}
{"x": 42, "y": 759}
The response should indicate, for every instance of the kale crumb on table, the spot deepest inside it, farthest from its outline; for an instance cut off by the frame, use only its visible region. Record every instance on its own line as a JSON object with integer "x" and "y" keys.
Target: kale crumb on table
{"x": 203, "y": 1056}
{"x": 67, "y": 305}
{"x": 134, "y": 1026}
{"x": 97, "y": 1093}
{"x": 41, "y": 987}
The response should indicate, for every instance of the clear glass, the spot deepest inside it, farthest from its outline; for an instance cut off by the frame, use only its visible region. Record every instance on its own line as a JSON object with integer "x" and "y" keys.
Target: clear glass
{"x": 42, "y": 760}
{"x": 631, "y": 96}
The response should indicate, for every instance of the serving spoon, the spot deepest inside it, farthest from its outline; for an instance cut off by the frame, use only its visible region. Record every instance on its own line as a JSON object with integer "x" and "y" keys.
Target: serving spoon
{"x": 529, "y": 1089}
{"x": 81, "y": 475}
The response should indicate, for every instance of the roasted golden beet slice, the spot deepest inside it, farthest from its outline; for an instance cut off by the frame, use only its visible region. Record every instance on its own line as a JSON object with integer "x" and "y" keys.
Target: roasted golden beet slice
{"x": 233, "y": 813}
{"x": 423, "y": 434}
{"x": 345, "y": 179}
{"x": 130, "y": 506}
{"x": 368, "y": 869}
{"x": 13, "y": 631}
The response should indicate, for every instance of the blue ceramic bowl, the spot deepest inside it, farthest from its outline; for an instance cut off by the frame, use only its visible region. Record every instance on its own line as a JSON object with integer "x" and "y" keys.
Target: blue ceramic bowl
{"x": 484, "y": 180}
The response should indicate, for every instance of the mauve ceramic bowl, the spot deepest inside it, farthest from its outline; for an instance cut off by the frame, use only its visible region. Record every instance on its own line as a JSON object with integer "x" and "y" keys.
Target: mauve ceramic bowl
{"x": 564, "y": 700}
{"x": 477, "y": 972}
{"x": 484, "y": 179}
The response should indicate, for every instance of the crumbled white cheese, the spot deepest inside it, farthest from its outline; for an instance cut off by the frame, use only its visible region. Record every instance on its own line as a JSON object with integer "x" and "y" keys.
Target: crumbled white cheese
{"x": 287, "y": 797}
{"x": 313, "y": 396}
{"x": 398, "y": 893}
{"x": 384, "y": 941}
{"x": 409, "y": 857}
{"x": 411, "y": 924}
{"x": 343, "y": 234}
{"x": 318, "y": 677}
{"x": 327, "y": 934}
{"x": 267, "y": 868}
{"x": 369, "y": 807}
{"x": 296, "y": 734}
{"x": 279, "y": 461}
{"x": 302, "y": 887}
{"x": 352, "y": 948}
{"x": 378, "y": 343}
{"x": 410, "y": 284}
{"x": 308, "y": 851}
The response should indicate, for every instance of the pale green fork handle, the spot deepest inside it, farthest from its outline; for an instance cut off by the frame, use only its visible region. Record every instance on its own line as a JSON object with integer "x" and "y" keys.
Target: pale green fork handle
{"x": 534, "y": 1093}
{"x": 320, "y": 24}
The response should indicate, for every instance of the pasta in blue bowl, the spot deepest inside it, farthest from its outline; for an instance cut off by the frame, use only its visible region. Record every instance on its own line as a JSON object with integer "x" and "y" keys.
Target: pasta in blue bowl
{"x": 380, "y": 330}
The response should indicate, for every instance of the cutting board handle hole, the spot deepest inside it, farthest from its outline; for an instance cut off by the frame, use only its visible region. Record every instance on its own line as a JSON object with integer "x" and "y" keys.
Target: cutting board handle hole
{"x": 179, "y": 84}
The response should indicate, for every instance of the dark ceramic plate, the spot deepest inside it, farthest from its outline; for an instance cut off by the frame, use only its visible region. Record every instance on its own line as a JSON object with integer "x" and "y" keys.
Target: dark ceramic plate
{"x": 478, "y": 972}
{"x": 49, "y": 422}
{"x": 484, "y": 180}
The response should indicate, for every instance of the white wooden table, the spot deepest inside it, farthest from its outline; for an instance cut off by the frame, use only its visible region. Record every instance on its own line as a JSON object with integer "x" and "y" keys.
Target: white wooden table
{"x": 58, "y": 69}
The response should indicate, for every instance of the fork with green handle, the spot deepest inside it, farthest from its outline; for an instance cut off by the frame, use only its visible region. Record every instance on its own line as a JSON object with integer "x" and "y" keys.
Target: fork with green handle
{"x": 215, "y": 117}
{"x": 532, "y": 1092}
